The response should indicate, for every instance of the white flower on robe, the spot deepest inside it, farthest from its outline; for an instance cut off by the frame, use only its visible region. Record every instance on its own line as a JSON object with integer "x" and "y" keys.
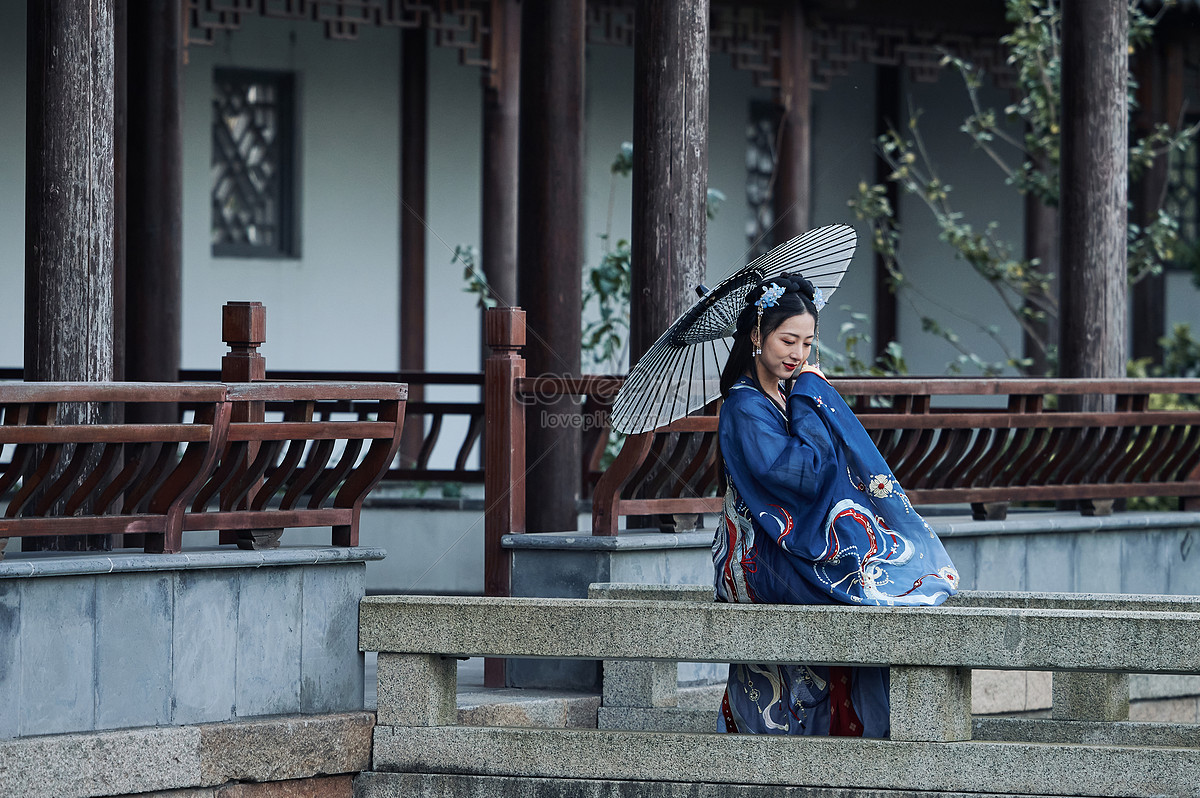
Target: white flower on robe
{"x": 882, "y": 486}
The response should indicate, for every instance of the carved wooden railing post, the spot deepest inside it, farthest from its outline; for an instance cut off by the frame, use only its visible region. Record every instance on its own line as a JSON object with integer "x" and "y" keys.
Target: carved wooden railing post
{"x": 504, "y": 453}
{"x": 244, "y": 329}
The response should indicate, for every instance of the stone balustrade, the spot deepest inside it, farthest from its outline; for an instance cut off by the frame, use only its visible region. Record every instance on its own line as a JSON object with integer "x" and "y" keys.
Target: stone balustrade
{"x": 1089, "y": 642}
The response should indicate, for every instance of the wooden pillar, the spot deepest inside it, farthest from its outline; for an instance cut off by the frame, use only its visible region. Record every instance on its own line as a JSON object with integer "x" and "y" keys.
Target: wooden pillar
{"x": 154, "y": 180}
{"x": 550, "y": 244}
{"x": 1041, "y": 242}
{"x": 504, "y": 482}
{"x": 888, "y": 115}
{"x": 793, "y": 175}
{"x": 1094, "y": 187}
{"x": 120, "y": 150}
{"x": 414, "y": 121}
{"x": 501, "y": 100}
{"x": 69, "y": 191}
{"x": 69, "y": 179}
{"x": 670, "y": 164}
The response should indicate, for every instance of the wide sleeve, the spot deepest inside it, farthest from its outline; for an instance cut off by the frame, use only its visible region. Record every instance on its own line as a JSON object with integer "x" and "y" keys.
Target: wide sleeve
{"x": 783, "y": 478}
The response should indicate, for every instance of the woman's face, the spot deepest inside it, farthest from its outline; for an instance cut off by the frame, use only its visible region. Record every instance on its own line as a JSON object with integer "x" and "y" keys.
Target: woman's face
{"x": 786, "y": 348}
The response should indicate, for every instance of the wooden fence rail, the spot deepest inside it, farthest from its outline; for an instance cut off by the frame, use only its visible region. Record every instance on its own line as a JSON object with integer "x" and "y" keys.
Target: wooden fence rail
{"x": 945, "y": 447}
{"x": 983, "y": 442}
{"x": 310, "y": 465}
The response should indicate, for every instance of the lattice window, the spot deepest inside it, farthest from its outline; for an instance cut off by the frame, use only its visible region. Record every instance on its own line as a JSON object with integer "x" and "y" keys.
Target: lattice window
{"x": 253, "y": 183}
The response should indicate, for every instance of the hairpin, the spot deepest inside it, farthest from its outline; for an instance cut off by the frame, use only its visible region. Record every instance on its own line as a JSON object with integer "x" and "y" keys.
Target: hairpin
{"x": 770, "y": 297}
{"x": 818, "y": 298}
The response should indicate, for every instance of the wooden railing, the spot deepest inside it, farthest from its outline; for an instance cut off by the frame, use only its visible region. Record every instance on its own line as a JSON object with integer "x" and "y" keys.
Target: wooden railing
{"x": 425, "y": 418}
{"x": 983, "y": 442}
{"x": 309, "y": 465}
{"x": 1025, "y": 448}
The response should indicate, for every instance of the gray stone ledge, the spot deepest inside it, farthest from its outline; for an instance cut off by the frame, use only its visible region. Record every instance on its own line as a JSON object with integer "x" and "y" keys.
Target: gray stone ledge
{"x": 1003, "y": 767}
{"x": 1115, "y": 602}
{"x": 100, "y": 763}
{"x": 569, "y": 711}
{"x": 1006, "y": 599}
{"x": 286, "y": 747}
{"x": 667, "y": 719}
{"x": 58, "y": 564}
{"x": 339, "y": 786}
{"x": 974, "y": 637}
{"x": 626, "y": 541}
{"x": 434, "y": 785}
{"x": 1060, "y": 521}
{"x": 164, "y": 758}
{"x": 1078, "y": 732}
{"x": 947, "y": 526}
{"x": 633, "y": 590}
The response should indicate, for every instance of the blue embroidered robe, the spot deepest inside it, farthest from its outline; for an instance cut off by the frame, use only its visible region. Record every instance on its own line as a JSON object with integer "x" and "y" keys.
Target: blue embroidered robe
{"x": 813, "y": 515}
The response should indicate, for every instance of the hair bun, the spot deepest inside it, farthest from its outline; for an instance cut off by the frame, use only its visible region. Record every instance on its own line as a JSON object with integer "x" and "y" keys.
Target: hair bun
{"x": 799, "y": 284}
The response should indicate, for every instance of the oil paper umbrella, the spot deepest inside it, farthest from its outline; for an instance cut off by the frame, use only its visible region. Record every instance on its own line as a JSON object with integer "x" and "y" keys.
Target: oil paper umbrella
{"x": 681, "y": 371}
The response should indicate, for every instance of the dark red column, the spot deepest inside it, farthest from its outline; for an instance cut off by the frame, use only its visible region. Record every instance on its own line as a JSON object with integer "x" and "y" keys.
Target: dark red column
{"x": 154, "y": 192}
{"x": 793, "y": 175}
{"x": 414, "y": 124}
{"x": 550, "y": 245}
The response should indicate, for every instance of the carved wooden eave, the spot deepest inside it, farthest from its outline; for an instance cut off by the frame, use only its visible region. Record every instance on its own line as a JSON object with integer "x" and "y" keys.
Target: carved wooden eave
{"x": 750, "y": 35}
{"x": 463, "y": 25}
{"x": 911, "y": 35}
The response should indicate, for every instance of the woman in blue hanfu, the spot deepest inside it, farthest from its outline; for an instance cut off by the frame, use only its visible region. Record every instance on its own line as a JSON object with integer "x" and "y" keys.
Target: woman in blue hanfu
{"x": 812, "y": 515}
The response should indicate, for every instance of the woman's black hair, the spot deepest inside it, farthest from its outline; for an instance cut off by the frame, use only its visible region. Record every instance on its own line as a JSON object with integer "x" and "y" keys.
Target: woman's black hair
{"x": 796, "y": 300}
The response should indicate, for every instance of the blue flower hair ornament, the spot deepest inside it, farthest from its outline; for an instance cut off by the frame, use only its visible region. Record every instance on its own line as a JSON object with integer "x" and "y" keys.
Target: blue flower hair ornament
{"x": 770, "y": 297}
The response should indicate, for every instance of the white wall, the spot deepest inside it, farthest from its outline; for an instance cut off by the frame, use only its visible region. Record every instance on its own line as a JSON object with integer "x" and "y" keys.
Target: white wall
{"x": 730, "y": 95}
{"x": 843, "y": 119}
{"x": 1183, "y": 302}
{"x": 336, "y": 305}
{"x": 12, "y": 183}
{"x": 952, "y": 292}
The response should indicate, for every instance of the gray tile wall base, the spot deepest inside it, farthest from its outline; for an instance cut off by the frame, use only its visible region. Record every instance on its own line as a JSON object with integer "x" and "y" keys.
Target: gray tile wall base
{"x": 128, "y": 761}
{"x": 430, "y": 785}
{"x": 111, "y": 641}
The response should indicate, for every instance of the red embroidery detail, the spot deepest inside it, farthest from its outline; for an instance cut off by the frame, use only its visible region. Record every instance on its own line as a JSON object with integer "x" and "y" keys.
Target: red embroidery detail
{"x": 788, "y": 526}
